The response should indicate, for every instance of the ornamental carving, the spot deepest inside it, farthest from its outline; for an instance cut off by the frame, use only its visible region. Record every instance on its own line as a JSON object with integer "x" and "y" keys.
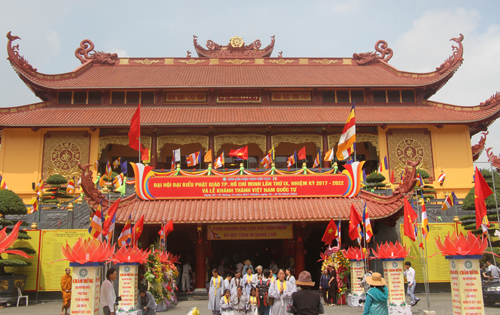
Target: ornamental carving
{"x": 281, "y": 61}
{"x": 63, "y": 151}
{"x": 325, "y": 61}
{"x": 14, "y": 57}
{"x": 241, "y": 140}
{"x": 456, "y": 56}
{"x": 86, "y": 53}
{"x": 236, "y": 61}
{"x": 235, "y": 49}
{"x": 333, "y": 140}
{"x": 478, "y": 148}
{"x": 121, "y": 140}
{"x": 191, "y": 61}
{"x": 181, "y": 140}
{"x": 410, "y": 145}
{"x": 146, "y": 62}
{"x": 382, "y": 52}
{"x": 297, "y": 139}
{"x": 493, "y": 159}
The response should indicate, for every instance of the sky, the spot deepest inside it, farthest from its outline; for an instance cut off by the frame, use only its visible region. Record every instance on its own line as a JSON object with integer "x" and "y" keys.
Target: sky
{"x": 418, "y": 31}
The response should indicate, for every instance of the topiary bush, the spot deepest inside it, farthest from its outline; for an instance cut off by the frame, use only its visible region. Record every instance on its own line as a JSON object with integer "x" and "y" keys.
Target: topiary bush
{"x": 55, "y": 191}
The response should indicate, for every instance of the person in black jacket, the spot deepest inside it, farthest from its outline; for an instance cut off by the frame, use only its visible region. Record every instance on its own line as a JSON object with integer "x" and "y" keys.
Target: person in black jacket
{"x": 333, "y": 285}
{"x": 306, "y": 301}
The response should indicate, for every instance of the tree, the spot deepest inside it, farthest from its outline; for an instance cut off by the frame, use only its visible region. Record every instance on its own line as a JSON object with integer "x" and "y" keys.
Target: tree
{"x": 56, "y": 190}
{"x": 374, "y": 181}
{"x": 427, "y": 190}
{"x": 12, "y": 204}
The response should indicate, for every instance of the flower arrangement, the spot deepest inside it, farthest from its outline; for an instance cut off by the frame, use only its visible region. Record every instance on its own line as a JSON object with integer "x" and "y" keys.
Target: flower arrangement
{"x": 460, "y": 245}
{"x": 342, "y": 266}
{"x": 160, "y": 274}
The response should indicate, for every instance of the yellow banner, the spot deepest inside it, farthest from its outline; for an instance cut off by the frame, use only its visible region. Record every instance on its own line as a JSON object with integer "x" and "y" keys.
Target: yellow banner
{"x": 259, "y": 231}
{"x": 393, "y": 274}
{"x": 357, "y": 274}
{"x": 30, "y": 271}
{"x": 440, "y": 271}
{"x": 49, "y": 274}
{"x": 466, "y": 291}
{"x": 129, "y": 278}
{"x": 85, "y": 290}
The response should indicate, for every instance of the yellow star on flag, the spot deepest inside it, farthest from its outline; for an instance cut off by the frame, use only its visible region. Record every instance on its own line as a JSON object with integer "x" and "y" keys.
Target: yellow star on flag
{"x": 330, "y": 231}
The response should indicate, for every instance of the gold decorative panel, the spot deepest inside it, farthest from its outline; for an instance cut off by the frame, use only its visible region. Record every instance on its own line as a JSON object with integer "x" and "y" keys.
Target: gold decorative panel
{"x": 161, "y": 141}
{"x": 242, "y": 140}
{"x": 316, "y": 139}
{"x": 62, "y": 152}
{"x": 410, "y": 144}
{"x": 333, "y": 140}
{"x": 121, "y": 140}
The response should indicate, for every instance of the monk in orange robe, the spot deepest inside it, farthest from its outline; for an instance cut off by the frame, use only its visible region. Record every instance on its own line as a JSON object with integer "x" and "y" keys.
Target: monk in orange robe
{"x": 66, "y": 291}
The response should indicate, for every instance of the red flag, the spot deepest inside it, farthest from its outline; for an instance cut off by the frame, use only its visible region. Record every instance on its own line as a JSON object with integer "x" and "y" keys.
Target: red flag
{"x": 354, "y": 221}
{"x": 481, "y": 191}
{"x": 144, "y": 153}
{"x": 137, "y": 231}
{"x": 241, "y": 153}
{"x": 110, "y": 218}
{"x": 392, "y": 176}
{"x": 409, "y": 219}
{"x": 169, "y": 227}
{"x": 330, "y": 233}
{"x": 135, "y": 129}
{"x": 302, "y": 154}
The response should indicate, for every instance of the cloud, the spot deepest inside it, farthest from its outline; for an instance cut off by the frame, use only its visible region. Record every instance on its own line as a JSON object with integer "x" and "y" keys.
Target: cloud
{"x": 342, "y": 7}
{"x": 121, "y": 52}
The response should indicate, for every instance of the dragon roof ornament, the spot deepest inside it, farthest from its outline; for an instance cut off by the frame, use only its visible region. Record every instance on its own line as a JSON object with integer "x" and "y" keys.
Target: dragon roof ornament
{"x": 86, "y": 53}
{"x": 455, "y": 58}
{"x": 478, "y": 148}
{"x": 236, "y": 48}
{"x": 14, "y": 57}
{"x": 382, "y": 53}
{"x": 493, "y": 159}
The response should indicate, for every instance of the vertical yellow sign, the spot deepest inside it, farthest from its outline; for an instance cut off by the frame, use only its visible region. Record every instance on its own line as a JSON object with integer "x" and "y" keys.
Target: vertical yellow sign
{"x": 357, "y": 273}
{"x": 129, "y": 276}
{"x": 466, "y": 290}
{"x": 393, "y": 274}
{"x": 85, "y": 290}
{"x": 30, "y": 271}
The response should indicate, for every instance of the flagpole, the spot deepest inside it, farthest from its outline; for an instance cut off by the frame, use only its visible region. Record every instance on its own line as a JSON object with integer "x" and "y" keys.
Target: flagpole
{"x": 422, "y": 257}
{"x": 494, "y": 192}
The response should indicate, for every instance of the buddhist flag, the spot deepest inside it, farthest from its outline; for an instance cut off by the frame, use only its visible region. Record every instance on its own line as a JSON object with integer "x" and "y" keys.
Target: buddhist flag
{"x": 329, "y": 155}
{"x": 96, "y": 165}
{"x": 109, "y": 171}
{"x": 177, "y": 155}
{"x": 33, "y": 206}
{"x": 317, "y": 160}
{"x": 3, "y": 185}
{"x": 95, "y": 228}
{"x": 367, "y": 224}
{"x": 219, "y": 162}
{"x": 137, "y": 230}
{"x": 40, "y": 187}
{"x": 70, "y": 189}
{"x": 364, "y": 175}
{"x": 291, "y": 159}
{"x": 126, "y": 234}
{"x": 118, "y": 181}
{"x": 240, "y": 154}
{"x": 124, "y": 167}
{"x": 330, "y": 233}
{"x": 302, "y": 154}
{"x": 354, "y": 221}
{"x": 441, "y": 178}
{"x": 135, "y": 130}
{"x": 109, "y": 221}
{"x": 208, "y": 157}
{"x": 449, "y": 201}
{"x": 347, "y": 142}
{"x": 409, "y": 220}
{"x": 425, "y": 223}
{"x": 481, "y": 191}
{"x": 383, "y": 165}
{"x": 193, "y": 159}
{"x": 116, "y": 163}
{"x": 339, "y": 233}
{"x": 268, "y": 159}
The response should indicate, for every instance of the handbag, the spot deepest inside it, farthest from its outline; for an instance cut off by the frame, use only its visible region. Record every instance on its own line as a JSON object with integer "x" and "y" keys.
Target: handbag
{"x": 290, "y": 308}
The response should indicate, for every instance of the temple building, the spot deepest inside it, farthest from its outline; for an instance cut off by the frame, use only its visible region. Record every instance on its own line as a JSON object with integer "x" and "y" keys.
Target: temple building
{"x": 225, "y": 97}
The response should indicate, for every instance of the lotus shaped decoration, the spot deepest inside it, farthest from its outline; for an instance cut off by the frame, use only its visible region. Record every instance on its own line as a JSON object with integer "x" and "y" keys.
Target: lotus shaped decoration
{"x": 89, "y": 250}
{"x": 6, "y": 241}
{"x": 389, "y": 250}
{"x": 461, "y": 245}
{"x": 168, "y": 258}
{"x": 355, "y": 253}
{"x": 132, "y": 254}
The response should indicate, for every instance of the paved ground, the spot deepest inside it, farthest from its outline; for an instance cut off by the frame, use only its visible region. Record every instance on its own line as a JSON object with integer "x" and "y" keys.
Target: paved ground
{"x": 440, "y": 303}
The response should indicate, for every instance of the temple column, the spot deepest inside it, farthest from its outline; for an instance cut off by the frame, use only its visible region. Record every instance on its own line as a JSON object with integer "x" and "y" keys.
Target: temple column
{"x": 200, "y": 259}
{"x": 268, "y": 139}
{"x": 154, "y": 146}
{"x": 325, "y": 147}
{"x": 299, "y": 249}
{"x": 211, "y": 142}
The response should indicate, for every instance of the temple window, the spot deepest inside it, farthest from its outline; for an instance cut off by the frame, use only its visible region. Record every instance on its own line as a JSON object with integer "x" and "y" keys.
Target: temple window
{"x": 79, "y": 97}
{"x": 343, "y": 96}
{"x": 132, "y": 97}
{"x": 394, "y": 96}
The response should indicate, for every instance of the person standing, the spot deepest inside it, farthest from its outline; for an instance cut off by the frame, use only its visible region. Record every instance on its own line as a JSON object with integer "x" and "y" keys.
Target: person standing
{"x": 236, "y": 283}
{"x": 377, "y": 295}
{"x": 306, "y": 301}
{"x": 66, "y": 281}
{"x": 410, "y": 277}
{"x": 226, "y": 284}
{"x": 263, "y": 285}
{"x": 108, "y": 295}
{"x": 249, "y": 281}
{"x": 222, "y": 269}
{"x": 492, "y": 271}
{"x": 247, "y": 264}
{"x": 290, "y": 278}
{"x": 187, "y": 271}
{"x": 239, "y": 301}
{"x": 214, "y": 294}
{"x": 239, "y": 267}
{"x": 281, "y": 291}
{"x": 333, "y": 285}
{"x": 324, "y": 285}
{"x": 147, "y": 302}
{"x": 273, "y": 267}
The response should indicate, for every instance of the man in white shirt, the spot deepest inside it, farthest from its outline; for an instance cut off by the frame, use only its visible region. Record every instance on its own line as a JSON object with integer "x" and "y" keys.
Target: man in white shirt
{"x": 410, "y": 277}
{"x": 492, "y": 270}
{"x": 186, "y": 277}
{"x": 108, "y": 295}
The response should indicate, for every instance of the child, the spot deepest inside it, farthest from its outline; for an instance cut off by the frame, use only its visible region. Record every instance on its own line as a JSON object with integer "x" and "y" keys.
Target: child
{"x": 239, "y": 301}
{"x": 226, "y": 307}
{"x": 324, "y": 286}
{"x": 253, "y": 306}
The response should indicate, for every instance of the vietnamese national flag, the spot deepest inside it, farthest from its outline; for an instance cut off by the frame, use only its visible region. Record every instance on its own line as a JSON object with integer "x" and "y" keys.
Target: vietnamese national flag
{"x": 302, "y": 154}
{"x": 330, "y": 233}
{"x": 392, "y": 177}
{"x": 135, "y": 130}
{"x": 481, "y": 191}
{"x": 145, "y": 154}
{"x": 137, "y": 230}
{"x": 241, "y": 153}
{"x": 169, "y": 227}
{"x": 354, "y": 221}
{"x": 409, "y": 220}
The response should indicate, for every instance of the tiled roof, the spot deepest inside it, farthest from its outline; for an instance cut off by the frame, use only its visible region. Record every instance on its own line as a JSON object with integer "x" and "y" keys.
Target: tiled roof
{"x": 252, "y": 210}
{"x": 242, "y": 114}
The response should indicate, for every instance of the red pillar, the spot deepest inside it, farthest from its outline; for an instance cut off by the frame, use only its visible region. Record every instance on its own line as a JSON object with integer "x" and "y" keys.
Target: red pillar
{"x": 200, "y": 258}
{"x": 325, "y": 149}
{"x": 299, "y": 249}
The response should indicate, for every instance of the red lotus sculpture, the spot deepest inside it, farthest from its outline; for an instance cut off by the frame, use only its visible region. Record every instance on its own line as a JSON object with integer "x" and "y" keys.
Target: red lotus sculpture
{"x": 89, "y": 250}
{"x": 131, "y": 254}
{"x": 460, "y": 245}
{"x": 7, "y": 241}
{"x": 168, "y": 258}
{"x": 355, "y": 253}
{"x": 389, "y": 250}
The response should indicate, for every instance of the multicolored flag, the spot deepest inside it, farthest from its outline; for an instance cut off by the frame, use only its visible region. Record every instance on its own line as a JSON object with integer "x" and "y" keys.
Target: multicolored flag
{"x": 302, "y": 154}
{"x": 367, "y": 224}
{"x": 383, "y": 166}
{"x": 481, "y": 191}
{"x": 347, "y": 142}
{"x": 193, "y": 159}
{"x": 425, "y": 223}
{"x": 96, "y": 165}
{"x": 117, "y": 163}
{"x": 109, "y": 170}
{"x": 441, "y": 178}
{"x": 329, "y": 155}
{"x": 33, "y": 206}
{"x": 268, "y": 159}
{"x": 126, "y": 234}
{"x": 40, "y": 187}
{"x": 339, "y": 233}
{"x": 291, "y": 160}
{"x": 108, "y": 225}
{"x": 449, "y": 201}
{"x": 330, "y": 233}
{"x": 240, "y": 154}
{"x": 317, "y": 160}
{"x": 137, "y": 230}
{"x": 410, "y": 218}
{"x": 208, "y": 157}
{"x": 95, "y": 228}
{"x": 118, "y": 181}
{"x": 219, "y": 162}
{"x": 70, "y": 189}
{"x": 3, "y": 185}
